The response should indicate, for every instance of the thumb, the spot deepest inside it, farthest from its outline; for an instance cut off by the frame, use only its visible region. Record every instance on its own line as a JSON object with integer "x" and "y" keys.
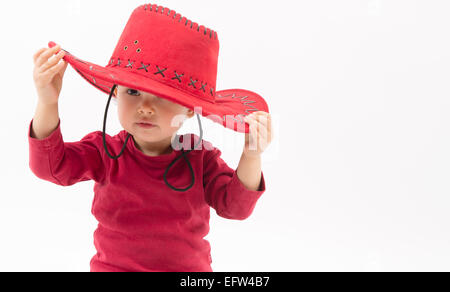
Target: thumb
{"x": 63, "y": 68}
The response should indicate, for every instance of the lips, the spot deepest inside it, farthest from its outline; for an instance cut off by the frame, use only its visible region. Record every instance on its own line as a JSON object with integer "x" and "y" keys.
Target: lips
{"x": 146, "y": 123}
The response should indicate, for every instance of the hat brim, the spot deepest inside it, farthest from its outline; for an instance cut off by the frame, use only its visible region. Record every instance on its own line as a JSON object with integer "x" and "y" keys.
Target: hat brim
{"x": 229, "y": 109}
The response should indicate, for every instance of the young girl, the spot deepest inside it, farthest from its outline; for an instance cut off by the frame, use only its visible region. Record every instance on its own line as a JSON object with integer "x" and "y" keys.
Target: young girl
{"x": 162, "y": 71}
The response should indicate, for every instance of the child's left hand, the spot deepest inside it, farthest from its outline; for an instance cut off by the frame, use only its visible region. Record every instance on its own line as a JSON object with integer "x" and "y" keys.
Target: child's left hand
{"x": 260, "y": 134}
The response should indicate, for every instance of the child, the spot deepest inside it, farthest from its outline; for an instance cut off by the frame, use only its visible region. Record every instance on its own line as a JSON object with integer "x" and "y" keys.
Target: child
{"x": 163, "y": 67}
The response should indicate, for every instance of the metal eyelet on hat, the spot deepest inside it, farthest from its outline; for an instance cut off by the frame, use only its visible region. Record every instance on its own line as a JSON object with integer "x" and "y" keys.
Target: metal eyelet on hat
{"x": 136, "y": 42}
{"x": 126, "y": 48}
{"x": 138, "y": 50}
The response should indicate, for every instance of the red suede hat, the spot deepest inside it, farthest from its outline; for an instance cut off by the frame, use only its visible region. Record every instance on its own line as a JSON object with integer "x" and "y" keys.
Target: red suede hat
{"x": 166, "y": 54}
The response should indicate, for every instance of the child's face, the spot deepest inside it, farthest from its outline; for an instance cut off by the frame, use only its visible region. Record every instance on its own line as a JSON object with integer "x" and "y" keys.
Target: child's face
{"x": 135, "y": 106}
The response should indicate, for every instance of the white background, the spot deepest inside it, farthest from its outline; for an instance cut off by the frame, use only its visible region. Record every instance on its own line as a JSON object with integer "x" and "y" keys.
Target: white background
{"x": 357, "y": 176}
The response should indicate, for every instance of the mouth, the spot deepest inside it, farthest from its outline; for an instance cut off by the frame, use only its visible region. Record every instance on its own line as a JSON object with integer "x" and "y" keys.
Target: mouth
{"x": 145, "y": 125}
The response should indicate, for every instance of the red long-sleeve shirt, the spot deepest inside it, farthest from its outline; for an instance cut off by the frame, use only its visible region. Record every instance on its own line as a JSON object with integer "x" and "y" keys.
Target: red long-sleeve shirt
{"x": 143, "y": 225}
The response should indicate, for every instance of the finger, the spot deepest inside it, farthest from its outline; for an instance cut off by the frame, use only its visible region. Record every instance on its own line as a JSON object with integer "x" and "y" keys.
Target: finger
{"x": 259, "y": 125}
{"x": 269, "y": 126}
{"x": 265, "y": 133}
{"x": 261, "y": 118}
{"x": 263, "y": 139}
{"x": 64, "y": 67}
{"x": 53, "y": 70}
{"x": 259, "y": 136}
{"x": 37, "y": 54}
{"x": 46, "y": 54}
{"x": 52, "y": 61}
{"x": 259, "y": 113}
{"x": 266, "y": 120}
{"x": 253, "y": 143}
{"x": 263, "y": 143}
{"x": 258, "y": 130}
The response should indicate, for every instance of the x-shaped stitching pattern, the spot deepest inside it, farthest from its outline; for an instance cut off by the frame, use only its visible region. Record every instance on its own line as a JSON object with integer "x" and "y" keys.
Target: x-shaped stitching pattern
{"x": 177, "y": 76}
{"x": 130, "y": 64}
{"x": 203, "y": 87}
{"x": 160, "y": 71}
{"x": 193, "y": 83}
{"x": 144, "y": 67}
{"x": 118, "y": 63}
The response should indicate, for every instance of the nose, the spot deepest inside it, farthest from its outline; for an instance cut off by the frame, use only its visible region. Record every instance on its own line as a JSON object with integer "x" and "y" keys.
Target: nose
{"x": 146, "y": 107}
{"x": 145, "y": 110}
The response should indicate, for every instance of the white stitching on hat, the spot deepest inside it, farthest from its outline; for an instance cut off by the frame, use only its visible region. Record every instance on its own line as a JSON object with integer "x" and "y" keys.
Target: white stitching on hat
{"x": 97, "y": 85}
{"x": 244, "y": 99}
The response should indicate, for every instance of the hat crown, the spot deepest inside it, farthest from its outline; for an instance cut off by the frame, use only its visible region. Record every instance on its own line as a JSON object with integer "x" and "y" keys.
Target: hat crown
{"x": 161, "y": 44}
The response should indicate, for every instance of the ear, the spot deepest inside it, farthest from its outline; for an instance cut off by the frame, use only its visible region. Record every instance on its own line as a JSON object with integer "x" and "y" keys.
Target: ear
{"x": 190, "y": 113}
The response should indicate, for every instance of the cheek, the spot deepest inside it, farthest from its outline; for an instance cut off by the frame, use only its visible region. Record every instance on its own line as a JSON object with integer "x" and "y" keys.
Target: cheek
{"x": 123, "y": 110}
{"x": 176, "y": 119}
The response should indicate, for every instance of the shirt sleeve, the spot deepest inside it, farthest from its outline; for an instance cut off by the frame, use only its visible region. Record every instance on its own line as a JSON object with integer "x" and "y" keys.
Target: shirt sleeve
{"x": 65, "y": 164}
{"x": 225, "y": 192}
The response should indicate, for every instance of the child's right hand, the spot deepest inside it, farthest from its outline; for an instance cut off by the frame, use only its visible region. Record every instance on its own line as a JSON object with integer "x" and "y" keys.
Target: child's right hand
{"x": 48, "y": 73}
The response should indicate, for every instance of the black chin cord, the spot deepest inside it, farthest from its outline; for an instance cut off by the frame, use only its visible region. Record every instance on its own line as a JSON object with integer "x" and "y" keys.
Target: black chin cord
{"x": 104, "y": 128}
{"x": 187, "y": 160}
{"x": 171, "y": 164}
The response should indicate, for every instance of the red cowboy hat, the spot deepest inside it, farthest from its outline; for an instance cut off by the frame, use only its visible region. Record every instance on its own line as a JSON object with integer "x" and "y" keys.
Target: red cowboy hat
{"x": 166, "y": 54}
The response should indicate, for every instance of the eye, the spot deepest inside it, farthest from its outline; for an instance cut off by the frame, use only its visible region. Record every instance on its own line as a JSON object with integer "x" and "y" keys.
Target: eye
{"x": 133, "y": 92}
